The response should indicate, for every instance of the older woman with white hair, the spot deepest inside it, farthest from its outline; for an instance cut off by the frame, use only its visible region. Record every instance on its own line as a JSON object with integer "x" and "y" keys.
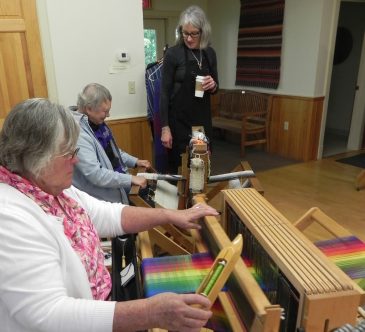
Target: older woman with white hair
{"x": 52, "y": 273}
{"x": 102, "y": 170}
{"x": 180, "y": 108}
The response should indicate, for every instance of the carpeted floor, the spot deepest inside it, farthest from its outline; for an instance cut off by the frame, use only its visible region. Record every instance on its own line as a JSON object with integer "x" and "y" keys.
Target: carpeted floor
{"x": 226, "y": 156}
{"x": 357, "y": 160}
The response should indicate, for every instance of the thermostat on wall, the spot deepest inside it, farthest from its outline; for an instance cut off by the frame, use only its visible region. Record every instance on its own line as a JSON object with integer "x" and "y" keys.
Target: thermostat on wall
{"x": 123, "y": 56}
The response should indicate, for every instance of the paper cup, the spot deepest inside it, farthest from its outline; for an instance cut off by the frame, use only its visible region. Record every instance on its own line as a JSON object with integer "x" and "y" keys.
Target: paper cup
{"x": 199, "y": 92}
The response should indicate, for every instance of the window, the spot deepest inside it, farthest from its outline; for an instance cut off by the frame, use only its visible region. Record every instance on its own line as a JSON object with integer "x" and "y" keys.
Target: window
{"x": 150, "y": 46}
{"x": 154, "y": 39}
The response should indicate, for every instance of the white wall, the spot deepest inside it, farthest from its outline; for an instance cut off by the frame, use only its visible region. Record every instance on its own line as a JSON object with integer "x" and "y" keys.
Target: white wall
{"x": 224, "y": 18}
{"x": 307, "y": 38}
{"x": 80, "y": 38}
{"x": 169, "y": 5}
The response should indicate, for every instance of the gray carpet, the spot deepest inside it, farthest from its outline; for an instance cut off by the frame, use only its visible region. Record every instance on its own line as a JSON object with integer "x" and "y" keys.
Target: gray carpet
{"x": 226, "y": 156}
{"x": 357, "y": 160}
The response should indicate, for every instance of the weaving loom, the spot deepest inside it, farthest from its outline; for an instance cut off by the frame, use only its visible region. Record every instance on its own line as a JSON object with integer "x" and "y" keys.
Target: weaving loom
{"x": 170, "y": 239}
{"x": 259, "y": 314}
{"x": 195, "y": 177}
{"x": 199, "y": 178}
{"x": 197, "y": 273}
{"x": 314, "y": 293}
{"x": 342, "y": 248}
{"x": 182, "y": 274}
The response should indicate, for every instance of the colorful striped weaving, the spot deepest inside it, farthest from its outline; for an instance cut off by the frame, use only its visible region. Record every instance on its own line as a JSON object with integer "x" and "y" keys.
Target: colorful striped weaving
{"x": 259, "y": 43}
{"x": 179, "y": 274}
{"x": 182, "y": 274}
{"x": 348, "y": 253}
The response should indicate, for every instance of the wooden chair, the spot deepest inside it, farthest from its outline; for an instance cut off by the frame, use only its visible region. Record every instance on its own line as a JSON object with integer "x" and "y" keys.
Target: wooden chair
{"x": 255, "y": 119}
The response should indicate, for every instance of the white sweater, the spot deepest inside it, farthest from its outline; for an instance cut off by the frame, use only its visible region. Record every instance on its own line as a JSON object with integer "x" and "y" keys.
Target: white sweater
{"x": 43, "y": 284}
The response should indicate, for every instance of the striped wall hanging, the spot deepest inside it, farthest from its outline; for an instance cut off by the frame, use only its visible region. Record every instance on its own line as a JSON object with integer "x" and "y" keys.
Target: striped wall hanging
{"x": 259, "y": 43}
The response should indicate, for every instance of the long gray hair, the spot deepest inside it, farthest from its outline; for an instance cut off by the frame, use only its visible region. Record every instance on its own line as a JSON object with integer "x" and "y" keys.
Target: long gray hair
{"x": 35, "y": 131}
{"x": 92, "y": 96}
{"x": 195, "y": 16}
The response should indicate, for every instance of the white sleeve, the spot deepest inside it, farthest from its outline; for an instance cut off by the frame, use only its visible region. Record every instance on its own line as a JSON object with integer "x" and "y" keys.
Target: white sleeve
{"x": 105, "y": 216}
{"x": 35, "y": 264}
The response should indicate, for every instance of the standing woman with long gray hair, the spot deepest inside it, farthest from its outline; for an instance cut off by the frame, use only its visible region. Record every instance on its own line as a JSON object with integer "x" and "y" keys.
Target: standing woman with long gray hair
{"x": 180, "y": 107}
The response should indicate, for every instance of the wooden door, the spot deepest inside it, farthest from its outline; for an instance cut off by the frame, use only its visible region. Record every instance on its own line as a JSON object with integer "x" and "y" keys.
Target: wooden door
{"x": 21, "y": 62}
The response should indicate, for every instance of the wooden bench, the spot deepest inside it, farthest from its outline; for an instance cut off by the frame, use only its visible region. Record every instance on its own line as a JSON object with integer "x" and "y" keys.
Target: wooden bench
{"x": 244, "y": 112}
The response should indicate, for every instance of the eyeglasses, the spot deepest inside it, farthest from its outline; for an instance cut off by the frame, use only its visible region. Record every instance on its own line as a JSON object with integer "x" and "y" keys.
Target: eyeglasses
{"x": 194, "y": 34}
{"x": 71, "y": 155}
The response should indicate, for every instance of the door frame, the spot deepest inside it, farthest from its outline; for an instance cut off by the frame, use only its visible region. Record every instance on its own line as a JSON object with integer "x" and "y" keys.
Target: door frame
{"x": 355, "y": 132}
{"x": 356, "y": 135}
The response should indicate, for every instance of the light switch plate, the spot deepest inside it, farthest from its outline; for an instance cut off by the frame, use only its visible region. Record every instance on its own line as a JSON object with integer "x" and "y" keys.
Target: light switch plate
{"x": 131, "y": 87}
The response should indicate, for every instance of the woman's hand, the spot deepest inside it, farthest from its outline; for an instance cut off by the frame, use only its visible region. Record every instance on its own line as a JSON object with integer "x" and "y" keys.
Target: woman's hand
{"x": 143, "y": 163}
{"x": 209, "y": 84}
{"x": 188, "y": 218}
{"x": 138, "y": 219}
{"x": 139, "y": 181}
{"x": 166, "y": 137}
{"x": 170, "y": 311}
{"x": 175, "y": 312}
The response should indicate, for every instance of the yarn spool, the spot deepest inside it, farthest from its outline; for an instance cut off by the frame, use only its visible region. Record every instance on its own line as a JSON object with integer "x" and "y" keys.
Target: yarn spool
{"x": 196, "y": 175}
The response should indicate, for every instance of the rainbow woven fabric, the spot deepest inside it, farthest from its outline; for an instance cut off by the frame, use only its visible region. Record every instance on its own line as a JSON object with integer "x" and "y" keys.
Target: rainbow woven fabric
{"x": 182, "y": 274}
{"x": 178, "y": 274}
{"x": 348, "y": 253}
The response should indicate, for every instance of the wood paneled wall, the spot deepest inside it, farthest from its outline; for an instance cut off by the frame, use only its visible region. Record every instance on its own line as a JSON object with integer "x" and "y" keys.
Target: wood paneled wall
{"x": 133, "y": 135}
{"x": 303, "y": 115}
{"x": 300, "y": 141}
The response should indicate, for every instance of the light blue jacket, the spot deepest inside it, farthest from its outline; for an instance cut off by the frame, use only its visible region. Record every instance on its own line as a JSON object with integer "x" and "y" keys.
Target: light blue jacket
{"x": 94, "y": 172}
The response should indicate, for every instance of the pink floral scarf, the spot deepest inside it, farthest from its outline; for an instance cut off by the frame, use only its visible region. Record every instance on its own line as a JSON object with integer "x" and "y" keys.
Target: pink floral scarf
{"x": 78, "y": 228}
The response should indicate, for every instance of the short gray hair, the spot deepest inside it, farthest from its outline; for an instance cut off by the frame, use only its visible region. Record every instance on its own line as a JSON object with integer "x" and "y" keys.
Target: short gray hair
{"x": 35, "y": 131}
{"x": 92, "y": 96}
{"x": 195, "y": 16}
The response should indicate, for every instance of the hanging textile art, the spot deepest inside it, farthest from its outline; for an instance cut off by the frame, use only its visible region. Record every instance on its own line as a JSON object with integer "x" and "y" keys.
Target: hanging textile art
{"x": 259, "y": 43}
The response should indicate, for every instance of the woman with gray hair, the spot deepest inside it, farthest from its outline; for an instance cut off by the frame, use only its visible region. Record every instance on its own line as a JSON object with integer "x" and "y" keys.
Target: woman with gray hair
{"x": 52, "y": 272}
{"x": 180, "y": 107}
{"x": 102, "y": 170}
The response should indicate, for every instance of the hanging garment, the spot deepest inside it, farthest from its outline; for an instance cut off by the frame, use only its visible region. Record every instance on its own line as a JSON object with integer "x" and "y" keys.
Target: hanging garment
{"x": 153, "y": 82}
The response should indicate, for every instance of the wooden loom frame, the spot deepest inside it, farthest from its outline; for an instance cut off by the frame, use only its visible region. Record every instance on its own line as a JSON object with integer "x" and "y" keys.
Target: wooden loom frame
{"x": 327, "y": 297}
{"x": 169, "y": 238}
{"x": 266, "y": 315}
{"x": 176, "y": 242}
{"x": 210, "y": 192}
{"x": 317, "y": 216}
